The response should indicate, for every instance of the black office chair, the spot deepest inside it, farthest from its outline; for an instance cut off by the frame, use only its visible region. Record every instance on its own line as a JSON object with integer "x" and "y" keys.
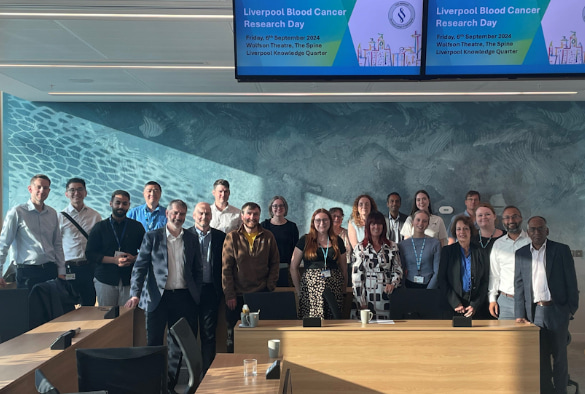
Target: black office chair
{"x": 43, "y": 385}
{"x": 276, "y": 305}
{"x": 419, "y": 304}
{"x": 331, "y": 301}
{"x": 126, "y": 370}
{"x": 187, "y": 341}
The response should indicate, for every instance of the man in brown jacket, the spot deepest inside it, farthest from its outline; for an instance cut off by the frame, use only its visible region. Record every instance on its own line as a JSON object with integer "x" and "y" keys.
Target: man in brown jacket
{"x": 250, "y": 263}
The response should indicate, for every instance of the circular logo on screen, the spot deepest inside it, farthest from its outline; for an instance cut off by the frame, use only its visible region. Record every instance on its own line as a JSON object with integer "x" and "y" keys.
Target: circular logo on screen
{"x": 401, "y": 14}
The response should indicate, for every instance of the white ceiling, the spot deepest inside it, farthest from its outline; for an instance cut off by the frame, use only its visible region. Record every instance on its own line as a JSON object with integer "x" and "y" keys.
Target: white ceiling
{"x": 61, "y": 58}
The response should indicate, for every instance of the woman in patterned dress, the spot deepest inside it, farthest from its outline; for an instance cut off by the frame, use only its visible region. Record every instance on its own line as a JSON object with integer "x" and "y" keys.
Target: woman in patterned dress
{"x": 376, "y": 269}
{"x": 323, "y": 254}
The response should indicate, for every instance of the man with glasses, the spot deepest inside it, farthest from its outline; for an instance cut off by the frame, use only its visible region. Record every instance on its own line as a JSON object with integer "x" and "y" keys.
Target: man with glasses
{"x": 502, "y": 262}
{"x": 76, "y": 222}
{"x": 32, "y": 229}
{"x": 250, "y": 262}
{"x": 472, "y": 200}
{"x": 151, "y": 214}
{"x": 546, "y": 294}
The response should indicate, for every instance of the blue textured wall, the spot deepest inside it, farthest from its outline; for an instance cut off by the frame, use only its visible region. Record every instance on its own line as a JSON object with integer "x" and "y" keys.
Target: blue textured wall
{"x": 316, "y": 155}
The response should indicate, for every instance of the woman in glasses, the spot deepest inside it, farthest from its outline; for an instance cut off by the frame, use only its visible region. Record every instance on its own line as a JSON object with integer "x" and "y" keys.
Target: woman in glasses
{"x": 286, "y": 234}
{"x": 323, "y": 254}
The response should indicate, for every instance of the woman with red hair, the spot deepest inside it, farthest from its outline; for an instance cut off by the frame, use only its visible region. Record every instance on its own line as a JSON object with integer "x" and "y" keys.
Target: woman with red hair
{"x": 376, "y": 270}
{"x": 323, "y": 253}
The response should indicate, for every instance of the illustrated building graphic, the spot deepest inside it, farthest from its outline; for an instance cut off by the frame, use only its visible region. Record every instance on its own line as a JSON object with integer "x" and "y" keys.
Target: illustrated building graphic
{"x": 570, "y": 51}
{"x": 379, "y": 54}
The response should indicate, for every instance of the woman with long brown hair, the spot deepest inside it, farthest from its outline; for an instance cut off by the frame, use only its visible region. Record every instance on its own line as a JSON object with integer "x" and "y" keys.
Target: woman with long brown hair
{"x": 362, "y": 206}
{"x": 323, "y": 254}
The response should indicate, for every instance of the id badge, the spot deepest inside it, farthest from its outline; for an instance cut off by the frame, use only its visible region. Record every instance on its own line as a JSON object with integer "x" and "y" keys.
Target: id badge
{"x": 118, "y": 253}
{"x": 69, "y": 276}
{"x": 326, "y": 273}
{"x": 419, "y": 279}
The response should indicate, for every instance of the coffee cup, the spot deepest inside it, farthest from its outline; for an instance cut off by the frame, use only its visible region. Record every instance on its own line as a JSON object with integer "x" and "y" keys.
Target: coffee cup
{"x": 366, "y": 316}
{"x": 245, "y": 320}
{"x": 253, "y": 318}
{"x": 274, "y": 348}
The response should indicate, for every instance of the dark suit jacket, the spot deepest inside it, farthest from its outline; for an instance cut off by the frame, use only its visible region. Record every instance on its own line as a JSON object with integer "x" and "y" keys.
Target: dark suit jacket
{"x": 560, "y": 275}
{"x": 151, "y": 267}
{"x": 217, "y": 238}
{"x": 401, "y": 219}
{"x": 450, "y": 276}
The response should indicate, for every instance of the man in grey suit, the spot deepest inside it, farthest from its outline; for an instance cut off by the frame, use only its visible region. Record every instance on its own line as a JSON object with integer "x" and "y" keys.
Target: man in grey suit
{"x": 546, "y": 294}
{"x": 169, "y": 262}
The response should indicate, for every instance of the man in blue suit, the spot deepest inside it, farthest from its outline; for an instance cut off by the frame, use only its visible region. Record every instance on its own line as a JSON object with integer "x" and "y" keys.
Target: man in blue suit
{"x": 546, "y": 294}
{"x": 211, "y": 244}
{"x": 167, "y": 279}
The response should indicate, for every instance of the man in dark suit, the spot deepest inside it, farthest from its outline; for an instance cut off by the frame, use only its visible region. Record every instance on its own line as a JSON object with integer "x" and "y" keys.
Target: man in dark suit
{"x": 170, "y": 263}
{"x": 396, "y": 218}
{"x": 546, "y": 294}
{"x": 211, "y": 245}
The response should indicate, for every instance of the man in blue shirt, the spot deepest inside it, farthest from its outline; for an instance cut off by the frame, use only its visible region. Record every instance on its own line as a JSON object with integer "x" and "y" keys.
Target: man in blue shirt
{"x": 150, "y": 214}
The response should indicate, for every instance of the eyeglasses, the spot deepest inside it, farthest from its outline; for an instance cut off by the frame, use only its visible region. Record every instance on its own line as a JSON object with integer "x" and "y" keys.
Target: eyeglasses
{"x": 277, "y": 206}
{"x": 78, "y": 190}
{"x": 515, "y": 217}
{"x": 317, "y": 221}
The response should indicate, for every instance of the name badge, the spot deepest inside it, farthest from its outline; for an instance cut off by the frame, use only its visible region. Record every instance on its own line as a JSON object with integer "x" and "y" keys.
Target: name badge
{"x": 326, "y": 273}
{"x": 69, "y": 276}
{"x": 419, "y": 279}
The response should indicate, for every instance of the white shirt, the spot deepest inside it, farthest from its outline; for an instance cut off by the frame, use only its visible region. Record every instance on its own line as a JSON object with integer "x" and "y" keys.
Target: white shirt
{"x": 34, "y": 236}
{"x": 227, "y": 220}
{"x": 74, "y": 242}
{"x": 175, "y": 261}
{"x": 436, "y": 228}
{"x": 502, "y": 263}
{"x": 539, "y": 282}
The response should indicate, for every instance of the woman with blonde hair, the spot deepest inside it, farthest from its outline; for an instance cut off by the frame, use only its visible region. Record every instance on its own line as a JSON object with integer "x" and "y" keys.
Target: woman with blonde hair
{"x": 362, "y": 206}
{"x": 323, "y": 253}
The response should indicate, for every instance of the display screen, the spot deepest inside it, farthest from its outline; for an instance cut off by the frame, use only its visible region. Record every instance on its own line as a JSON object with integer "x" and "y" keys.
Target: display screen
{"x": 320, "y": 39}
{"x": 514, "y": 37}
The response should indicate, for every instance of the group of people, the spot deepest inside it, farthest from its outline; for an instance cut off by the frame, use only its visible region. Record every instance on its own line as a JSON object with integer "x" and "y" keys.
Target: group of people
{"x": 144, "y": 257}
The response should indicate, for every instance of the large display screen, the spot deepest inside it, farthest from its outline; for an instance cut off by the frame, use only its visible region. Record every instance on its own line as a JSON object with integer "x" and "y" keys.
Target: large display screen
{"x": 319, "y": 39}
{"x": 514, "y": 37}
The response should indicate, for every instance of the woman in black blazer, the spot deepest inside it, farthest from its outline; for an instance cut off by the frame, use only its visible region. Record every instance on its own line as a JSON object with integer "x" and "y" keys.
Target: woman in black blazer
{"x": 464, "y": 271}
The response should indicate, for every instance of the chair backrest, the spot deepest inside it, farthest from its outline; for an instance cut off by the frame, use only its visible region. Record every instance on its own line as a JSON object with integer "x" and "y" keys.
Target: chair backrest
{"x": 126, "y": 370}
{"x": 43, "y": 385}
{"x": 276, "y": 305}
{"x": 419, "y": 304}
{"x": 332, "y": 303}
{"x": 187, "y": 341}
{"x": 14, "y": 307}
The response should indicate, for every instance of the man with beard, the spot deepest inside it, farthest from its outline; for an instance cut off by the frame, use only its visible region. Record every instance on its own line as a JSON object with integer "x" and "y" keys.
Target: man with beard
{"x": 113, "y": 245}
{"x": 250, "y": 264}
{"x": 547, "y": 295}
{"x": 166, "y": 280}
{"x": 211, "y": 245}
{"x": 502, "y": 257}
{"x": 395, "y": 219}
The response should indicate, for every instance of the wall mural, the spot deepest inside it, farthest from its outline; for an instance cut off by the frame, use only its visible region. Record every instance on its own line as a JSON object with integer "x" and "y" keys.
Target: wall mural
{"x": 529, "y": 154}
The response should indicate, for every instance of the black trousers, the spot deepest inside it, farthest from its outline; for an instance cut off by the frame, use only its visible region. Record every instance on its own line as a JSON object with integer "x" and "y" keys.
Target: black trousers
{"x": 554, "y": 333}
{"x": 231, "y": 318}
{"x": 83, "y": 283}
{"x": 29, "y": 275}
{"x": 207, "y": 321}
{"x": 174, "y": 305}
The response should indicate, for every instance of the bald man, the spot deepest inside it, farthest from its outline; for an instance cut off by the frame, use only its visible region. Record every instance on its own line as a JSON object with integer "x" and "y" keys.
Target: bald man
{"x": 211, "y": 243}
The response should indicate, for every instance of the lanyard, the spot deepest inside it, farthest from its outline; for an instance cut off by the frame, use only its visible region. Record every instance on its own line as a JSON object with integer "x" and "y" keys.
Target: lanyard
{"x": 325, "y": 253}
{"x": 116, "y": 235}
{"x": 419, "y": 257}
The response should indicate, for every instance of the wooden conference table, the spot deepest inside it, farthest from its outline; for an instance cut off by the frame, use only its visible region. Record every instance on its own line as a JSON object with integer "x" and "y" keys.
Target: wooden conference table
{"x": 226, "y": 374}
{"x": 423, "y": 356}
{"x": 20, "y": 356}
